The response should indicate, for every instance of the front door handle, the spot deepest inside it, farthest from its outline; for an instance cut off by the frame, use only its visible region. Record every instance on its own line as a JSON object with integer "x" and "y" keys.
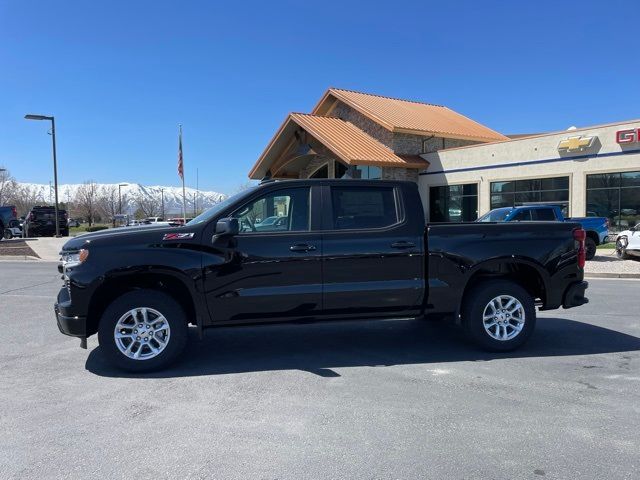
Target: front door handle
{"x": 403, "y": 244}
{"x": 302, "y": 247}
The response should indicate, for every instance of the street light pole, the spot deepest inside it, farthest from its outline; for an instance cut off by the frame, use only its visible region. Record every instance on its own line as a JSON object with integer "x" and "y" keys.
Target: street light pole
{"x": 55, "y": 161}
{"x": 120, "y": 197}
{"x": 162, "y": 200}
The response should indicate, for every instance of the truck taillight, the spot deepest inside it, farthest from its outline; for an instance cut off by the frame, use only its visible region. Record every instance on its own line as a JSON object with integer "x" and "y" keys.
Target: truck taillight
{"x": 32, "y": 216}
{"x": 579, "y": 235}
{"x": 14, "y": 212}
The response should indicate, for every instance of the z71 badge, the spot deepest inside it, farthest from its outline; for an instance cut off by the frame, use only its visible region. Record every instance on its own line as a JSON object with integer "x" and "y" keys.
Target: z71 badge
{"x": 177, "y": 236}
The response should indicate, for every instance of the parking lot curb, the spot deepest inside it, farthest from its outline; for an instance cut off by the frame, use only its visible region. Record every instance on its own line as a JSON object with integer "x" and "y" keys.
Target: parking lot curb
{"x": 612, "y": 275}
{"x": 19, "y": 258}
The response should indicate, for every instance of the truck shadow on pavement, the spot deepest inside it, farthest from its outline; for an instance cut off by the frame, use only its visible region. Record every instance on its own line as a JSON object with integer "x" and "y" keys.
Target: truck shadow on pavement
{"x": 318, "y": 348}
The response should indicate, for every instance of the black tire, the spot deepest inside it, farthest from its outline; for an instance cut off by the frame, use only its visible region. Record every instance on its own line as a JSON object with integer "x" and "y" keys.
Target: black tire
{"x": 621, "y": 250}
{"x": 65, "y": 233}
{"x": 590, "y": 248}
{"x": 477, "y": 300}
{"x": 156, "y": 300}
{"x": 8, "y": 235}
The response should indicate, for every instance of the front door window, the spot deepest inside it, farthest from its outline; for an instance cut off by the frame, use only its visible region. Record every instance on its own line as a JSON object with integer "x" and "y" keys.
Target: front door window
{"x": 285, "y": 210}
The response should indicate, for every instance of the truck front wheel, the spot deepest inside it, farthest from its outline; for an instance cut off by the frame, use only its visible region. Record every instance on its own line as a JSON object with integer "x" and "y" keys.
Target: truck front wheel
{"x": 143, "y": 330}
{"x": 498, "y": 315}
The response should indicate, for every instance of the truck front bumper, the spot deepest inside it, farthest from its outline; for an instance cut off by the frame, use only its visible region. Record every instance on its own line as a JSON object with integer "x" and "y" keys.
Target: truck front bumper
{"x": 69, "y": 322}
{"x": 574, "y": 295}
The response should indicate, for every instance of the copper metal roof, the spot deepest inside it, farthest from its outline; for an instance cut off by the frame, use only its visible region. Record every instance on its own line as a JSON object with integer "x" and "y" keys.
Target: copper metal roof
{"x": 410, "y": 117}
{"x": 351, "y": 144}
{"x": 345, "y": 140}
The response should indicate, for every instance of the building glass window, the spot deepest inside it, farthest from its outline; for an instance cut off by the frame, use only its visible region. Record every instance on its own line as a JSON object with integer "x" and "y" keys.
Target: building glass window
{"x": 615, "y": 196}
{"x": 539, "y": 190}
{"x": 363, "y": 171}
{"x": 453, "y": 203}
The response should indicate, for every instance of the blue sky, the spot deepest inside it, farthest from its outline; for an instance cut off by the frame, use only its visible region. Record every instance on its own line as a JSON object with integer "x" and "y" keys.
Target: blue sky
{"x": 120, "y": 75}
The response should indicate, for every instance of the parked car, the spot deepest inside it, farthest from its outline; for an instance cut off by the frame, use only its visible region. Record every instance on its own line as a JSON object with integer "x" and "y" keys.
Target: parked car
{"x": 352, "y": 249}
{"x": 155, "y": 219}
{"x": 72, "y": 222}
{"x": 135, "y": 223}
{"x": 628, "y": 243}
{"x": 41, "y": 222}
{"x": 597, "y": 228}
{"x": 7, "y": 213}
{"x": 272, "y": 223}
{"x": 13, "y": 229}
{"x": 179, "y": 220}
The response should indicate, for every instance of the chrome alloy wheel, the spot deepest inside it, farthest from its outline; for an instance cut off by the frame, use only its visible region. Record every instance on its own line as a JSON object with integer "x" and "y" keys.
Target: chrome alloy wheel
{"x": 503, "y": 317}
{"x": 142, "y": 333}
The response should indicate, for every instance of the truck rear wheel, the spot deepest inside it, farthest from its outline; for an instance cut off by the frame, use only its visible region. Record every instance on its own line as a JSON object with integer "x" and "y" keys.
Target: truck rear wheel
{"x": 499, "y": 315}
{"x": 143, "y": 330}
{"x": 590, "y": 248}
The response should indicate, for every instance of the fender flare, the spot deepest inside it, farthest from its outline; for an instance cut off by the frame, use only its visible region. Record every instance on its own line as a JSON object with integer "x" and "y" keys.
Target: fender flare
{"x": 189, "y": 283}
{"x": 494, "y": 262}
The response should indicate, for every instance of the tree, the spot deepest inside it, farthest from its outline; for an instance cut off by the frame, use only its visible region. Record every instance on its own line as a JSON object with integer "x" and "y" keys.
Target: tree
{"x": 109, "y": 203}
{"x": 87, "y": 201}
{"x": 7, "y": 186}
{"x": 148, "y": 206}
{"x": 24, "y": 197}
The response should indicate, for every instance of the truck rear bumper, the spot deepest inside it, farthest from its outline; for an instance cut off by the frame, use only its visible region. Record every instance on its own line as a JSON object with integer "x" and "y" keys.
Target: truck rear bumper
{"x": 574, "y": 295}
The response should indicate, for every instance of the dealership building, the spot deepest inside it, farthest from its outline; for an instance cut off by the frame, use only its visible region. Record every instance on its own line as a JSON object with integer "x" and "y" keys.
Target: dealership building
{"x": 463, "y": 168}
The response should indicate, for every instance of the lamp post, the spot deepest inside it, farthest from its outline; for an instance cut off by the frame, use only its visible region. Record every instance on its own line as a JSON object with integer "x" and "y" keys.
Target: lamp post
{"x": 120, "y": 197}
{"x": 162, "y": 202}
{"x": 55, "y": 163}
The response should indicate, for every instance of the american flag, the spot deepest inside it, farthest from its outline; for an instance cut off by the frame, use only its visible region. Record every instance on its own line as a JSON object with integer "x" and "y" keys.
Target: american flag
{"x": 180, "y": 160}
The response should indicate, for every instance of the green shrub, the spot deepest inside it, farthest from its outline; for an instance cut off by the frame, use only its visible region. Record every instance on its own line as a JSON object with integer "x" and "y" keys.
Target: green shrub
{"x": 96, "y": 228}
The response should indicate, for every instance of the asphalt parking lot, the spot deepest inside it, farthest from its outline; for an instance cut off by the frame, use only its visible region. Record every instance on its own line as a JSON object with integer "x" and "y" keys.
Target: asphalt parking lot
{"x": 374, "y": 400}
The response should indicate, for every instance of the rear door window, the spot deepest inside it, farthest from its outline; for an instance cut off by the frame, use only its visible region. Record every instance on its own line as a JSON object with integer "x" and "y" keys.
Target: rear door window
{"x": 363, "y": 207}
{"x": 544, "y": 214}
{"x": 522, "y": 216}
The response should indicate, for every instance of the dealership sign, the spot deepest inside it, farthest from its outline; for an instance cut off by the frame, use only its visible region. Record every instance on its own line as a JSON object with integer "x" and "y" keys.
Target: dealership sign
{"x": 575, "y": 144}
{"x": 628, "y": 136}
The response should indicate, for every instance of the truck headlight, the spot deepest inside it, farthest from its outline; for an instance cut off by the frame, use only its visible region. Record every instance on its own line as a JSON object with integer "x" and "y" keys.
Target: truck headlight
{"x": 74, "y": 259}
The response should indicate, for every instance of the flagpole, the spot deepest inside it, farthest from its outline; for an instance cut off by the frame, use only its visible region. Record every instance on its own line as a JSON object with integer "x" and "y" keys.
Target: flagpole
{"x": 184, "y": 195}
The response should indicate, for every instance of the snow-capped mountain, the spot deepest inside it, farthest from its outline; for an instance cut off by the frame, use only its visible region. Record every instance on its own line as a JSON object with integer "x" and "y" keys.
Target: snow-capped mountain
{"x": 131, "y": 193}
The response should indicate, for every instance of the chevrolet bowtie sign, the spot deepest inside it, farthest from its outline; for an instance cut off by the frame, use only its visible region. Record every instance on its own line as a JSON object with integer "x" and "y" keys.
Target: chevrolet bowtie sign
{"x": 575, "y": 144}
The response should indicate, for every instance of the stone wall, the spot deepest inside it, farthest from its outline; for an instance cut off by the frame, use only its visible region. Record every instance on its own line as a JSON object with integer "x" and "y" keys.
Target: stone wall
{"x": 312, "y": 166}
{"x": 348, "y": 114}
{"x": 392, "y": 173}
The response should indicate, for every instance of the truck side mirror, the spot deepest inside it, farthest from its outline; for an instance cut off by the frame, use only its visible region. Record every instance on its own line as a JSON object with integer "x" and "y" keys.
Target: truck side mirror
{"x": 227, "y": 227}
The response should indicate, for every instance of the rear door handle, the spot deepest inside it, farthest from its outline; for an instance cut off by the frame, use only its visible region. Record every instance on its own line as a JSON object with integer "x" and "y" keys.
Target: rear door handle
{"x": 403, "y": 244}
{"x": 302, "y": 247}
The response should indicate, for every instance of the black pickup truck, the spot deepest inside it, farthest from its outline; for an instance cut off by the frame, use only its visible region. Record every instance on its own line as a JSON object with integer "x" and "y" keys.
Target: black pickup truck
{"x": 41, "y": 222}
{"x": 346, "y": 249}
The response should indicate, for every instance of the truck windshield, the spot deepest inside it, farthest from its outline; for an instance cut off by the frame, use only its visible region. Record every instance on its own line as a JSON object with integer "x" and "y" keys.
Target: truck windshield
{"x": 497, "y": 215}
{"x": 218, "y": 207}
